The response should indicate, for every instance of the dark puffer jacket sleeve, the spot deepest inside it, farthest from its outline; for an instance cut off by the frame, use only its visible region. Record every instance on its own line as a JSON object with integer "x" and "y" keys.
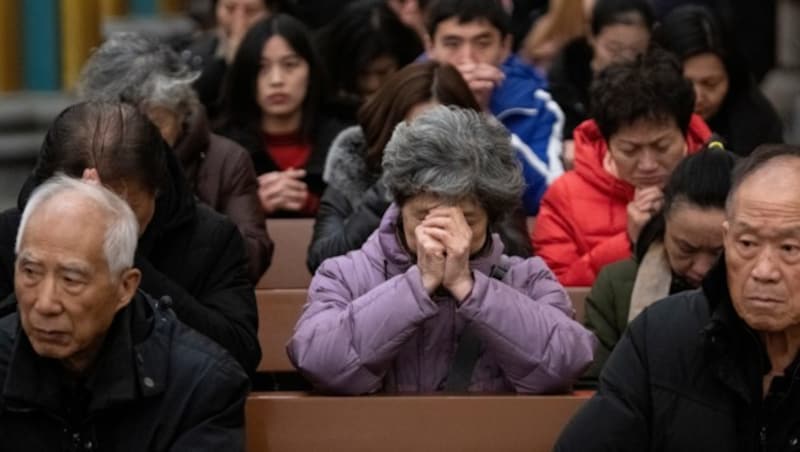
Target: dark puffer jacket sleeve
{"x": 225, "y": 308}
{"x": 616, "y": 418}
{"x": 340, "y": 227}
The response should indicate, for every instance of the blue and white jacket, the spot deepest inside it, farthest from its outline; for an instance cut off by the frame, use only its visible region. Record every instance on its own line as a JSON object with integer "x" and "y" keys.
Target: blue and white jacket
{"x": 535, "y": 121}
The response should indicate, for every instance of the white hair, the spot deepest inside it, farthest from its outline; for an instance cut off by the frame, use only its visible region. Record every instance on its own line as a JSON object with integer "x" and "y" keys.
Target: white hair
{"x": 122, "y": 231}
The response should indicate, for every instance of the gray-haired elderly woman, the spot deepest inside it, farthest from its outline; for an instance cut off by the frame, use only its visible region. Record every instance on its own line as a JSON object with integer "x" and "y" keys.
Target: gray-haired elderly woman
{"x": 430, "y": 302}
{"x": 140, "y": 71}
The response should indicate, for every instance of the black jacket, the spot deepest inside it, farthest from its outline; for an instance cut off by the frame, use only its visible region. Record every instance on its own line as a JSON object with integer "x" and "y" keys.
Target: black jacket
{"x": 687, "y": 376}
{"x": 189, "y": 252}
{"x": 157, "y": 385}
{"x": 569, "y": 81}
{"x": 324, "y": 134}
{"x": 746, "y": 119}
{"x": 356, "y": 199}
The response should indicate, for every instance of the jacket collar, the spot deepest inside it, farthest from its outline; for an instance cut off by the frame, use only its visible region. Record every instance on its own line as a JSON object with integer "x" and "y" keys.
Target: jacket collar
{"x": 735, "y": 350}
{"x": 132, "y": 364}
{"x": 346, "y": 165}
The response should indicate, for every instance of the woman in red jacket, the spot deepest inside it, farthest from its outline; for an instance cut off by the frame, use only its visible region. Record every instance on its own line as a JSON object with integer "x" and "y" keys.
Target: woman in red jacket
{"x": 643, "y": 126}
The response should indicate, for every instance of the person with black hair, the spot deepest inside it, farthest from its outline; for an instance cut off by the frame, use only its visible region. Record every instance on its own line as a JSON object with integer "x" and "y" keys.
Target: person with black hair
{"x": 726, "y": 94}
{"x": 674, "y": 251}
{"x": 619, "y": 31}
{"x": 475, "y": 37}
{"x": 376, "y": 44}
{"x": 274, "y": 91}
{"x": 213, "y": 52}
{"x": 643, "y": 126}
{"x": 187, "y": 253}
{"x": 715, "y": 369}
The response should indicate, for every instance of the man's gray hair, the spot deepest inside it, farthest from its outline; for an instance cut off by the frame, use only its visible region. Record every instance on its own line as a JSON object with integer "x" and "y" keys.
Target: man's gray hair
{"x": 454, "y": 153}
{"x": 122, "y": 231}
{"x": 131, "y": 68}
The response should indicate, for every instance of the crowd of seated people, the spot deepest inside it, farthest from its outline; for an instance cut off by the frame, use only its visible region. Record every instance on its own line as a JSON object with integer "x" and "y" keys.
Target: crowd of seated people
{"x": 447, "y": 233}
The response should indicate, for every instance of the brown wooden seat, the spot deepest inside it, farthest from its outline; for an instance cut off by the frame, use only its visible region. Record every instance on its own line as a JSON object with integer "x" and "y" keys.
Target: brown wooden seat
{"x": 297, "y": 422}
{"x": 578, "y": 297}
{"x": 278, "y": 311}
{"x": 288, "y": 269}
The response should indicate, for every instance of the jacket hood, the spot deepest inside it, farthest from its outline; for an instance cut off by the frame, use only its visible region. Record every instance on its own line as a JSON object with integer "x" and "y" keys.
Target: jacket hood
{"x": 591, "y": 149}
{"x": 385, "y": 249}
{"x": 175, "y": 204}
{"x": 346, "y": 166}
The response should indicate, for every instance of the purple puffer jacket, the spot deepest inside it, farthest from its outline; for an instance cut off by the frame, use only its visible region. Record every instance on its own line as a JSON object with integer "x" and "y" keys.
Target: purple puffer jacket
{"x": 369, "y": 325}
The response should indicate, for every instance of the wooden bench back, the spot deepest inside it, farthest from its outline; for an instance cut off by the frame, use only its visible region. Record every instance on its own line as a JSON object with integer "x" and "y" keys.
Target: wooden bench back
{"x": 296, "y": 422}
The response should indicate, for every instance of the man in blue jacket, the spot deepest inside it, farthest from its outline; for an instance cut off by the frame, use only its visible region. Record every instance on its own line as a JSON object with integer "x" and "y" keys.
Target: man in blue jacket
{"x": 475, "y": 36}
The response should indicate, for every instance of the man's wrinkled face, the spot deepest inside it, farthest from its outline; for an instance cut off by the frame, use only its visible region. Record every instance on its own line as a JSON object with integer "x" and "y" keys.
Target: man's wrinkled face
{"x": 66, "y": 295}
{"x": 762, "y": 246}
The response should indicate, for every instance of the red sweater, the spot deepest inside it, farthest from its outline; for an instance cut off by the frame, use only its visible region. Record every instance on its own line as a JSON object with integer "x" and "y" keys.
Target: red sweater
{"x": 292, "y": 151}
{"x": 583, "y": 219}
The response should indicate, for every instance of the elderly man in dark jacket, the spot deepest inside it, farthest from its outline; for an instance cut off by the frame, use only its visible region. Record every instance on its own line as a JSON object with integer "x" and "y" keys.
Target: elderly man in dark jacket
{"x": 716, "y": 369}
{"x": 186, "y": 251}
{"x": 88, "y": 363}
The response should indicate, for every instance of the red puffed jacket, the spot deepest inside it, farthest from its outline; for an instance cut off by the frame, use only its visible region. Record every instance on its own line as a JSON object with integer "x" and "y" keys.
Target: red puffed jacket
{"x": 582, "y": 223}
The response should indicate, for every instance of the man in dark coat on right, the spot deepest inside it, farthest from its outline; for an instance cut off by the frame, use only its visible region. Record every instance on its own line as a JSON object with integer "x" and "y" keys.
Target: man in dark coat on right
{"x": 715, "y": 369}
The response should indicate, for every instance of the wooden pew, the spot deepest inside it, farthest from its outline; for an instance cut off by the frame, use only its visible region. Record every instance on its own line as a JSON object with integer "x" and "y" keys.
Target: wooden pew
{"x": 288, "y": 270}
{"x": 578, "y": 297}
{"x": 278, "y": 311}
{"x": 297, "y": 422}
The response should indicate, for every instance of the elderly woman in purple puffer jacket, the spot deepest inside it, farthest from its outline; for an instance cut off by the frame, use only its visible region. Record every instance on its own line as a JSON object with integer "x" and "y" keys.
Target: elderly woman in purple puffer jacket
{"x": 430, "y": 302}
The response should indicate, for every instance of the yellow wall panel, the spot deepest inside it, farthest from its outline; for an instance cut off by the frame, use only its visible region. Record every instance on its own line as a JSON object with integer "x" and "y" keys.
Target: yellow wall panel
{"x": 113, "y": 8}
{"x": 10, "y": 46}
{"x": 80, "y": 33}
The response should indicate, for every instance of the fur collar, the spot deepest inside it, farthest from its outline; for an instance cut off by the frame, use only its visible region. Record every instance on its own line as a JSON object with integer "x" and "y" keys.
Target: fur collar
{"x": 346, "y": 166}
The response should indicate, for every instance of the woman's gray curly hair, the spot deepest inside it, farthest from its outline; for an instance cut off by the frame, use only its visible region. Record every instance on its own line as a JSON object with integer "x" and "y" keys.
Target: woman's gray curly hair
{"x": 455, "y": 154}
{"x": 134, "y": 69}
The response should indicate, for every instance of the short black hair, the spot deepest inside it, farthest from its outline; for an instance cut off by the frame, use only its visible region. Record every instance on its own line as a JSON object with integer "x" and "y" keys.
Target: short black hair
{"x": 364, "y": 31}
{"x": 467, "y": 11}
{"x": 703, "y": 179}
{"x": 692, "y": 30}
{"x": 616, "y": 12}
{"x": 760, "y": 157}
{"x": 650, "y": 87}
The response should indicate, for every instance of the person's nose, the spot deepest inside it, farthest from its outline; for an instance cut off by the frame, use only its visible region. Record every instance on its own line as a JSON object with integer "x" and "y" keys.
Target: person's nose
{"x": 699, "y": 94}
{"x": 276, "y": 76}
{"x": 47, "y": 302}
{"x": 465, "y": 55}
{"x": 765, "y": 270}
{"x": 702, "y": 264}
{"x": 647, "y": 161}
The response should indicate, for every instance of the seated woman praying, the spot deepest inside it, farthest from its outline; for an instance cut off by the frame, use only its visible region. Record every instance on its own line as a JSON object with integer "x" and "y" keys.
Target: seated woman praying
{"x": 431, "y": 302}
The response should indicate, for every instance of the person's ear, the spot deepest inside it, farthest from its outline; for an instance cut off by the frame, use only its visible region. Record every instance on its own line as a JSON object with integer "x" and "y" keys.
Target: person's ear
{"x": 129, "y": 283}
{"x": 428, "y": 42}
{"x": 91, "y": 176}
{"x": 726, "y": 229}
{"x": 508, "y": 43}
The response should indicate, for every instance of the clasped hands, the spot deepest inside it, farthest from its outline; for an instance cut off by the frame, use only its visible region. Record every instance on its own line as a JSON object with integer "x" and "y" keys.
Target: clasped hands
{"x": 443, "y": 240}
